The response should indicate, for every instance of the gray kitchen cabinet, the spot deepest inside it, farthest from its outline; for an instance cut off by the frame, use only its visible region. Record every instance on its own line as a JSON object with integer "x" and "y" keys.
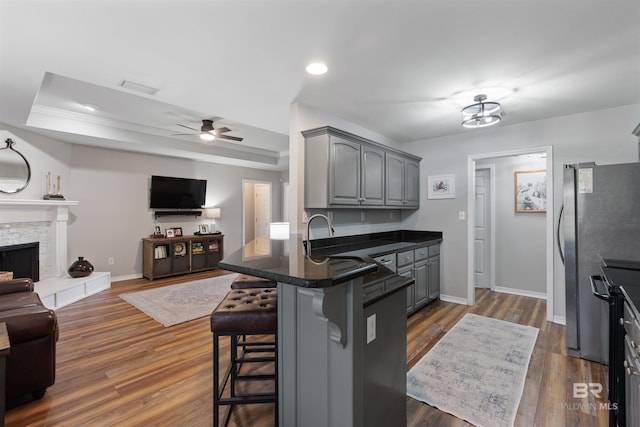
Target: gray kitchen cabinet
{"x": 411, "y": 183}
{"x": 423, "y": 265}
{"x": 404, "y": 262}
{"x": 356, "y": 174}
{"x": 402, "y": 184}
{"x": 434, "y": 277}
{"x": 421, "y": 276}
{"x": 394, "y": 182}
{"x": 372, "y": 176}
{"x": 343, "y": 170}
{"x": 408, "y": 272}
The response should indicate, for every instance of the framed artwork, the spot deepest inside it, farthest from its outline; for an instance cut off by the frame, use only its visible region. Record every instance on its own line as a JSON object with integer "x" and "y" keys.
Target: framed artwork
{"x": 441, "y": 187}
{"x": 158, "y": 231}
{"x": 177, "y": 231}
{"x": 169, "y": 232}
{"x": 530, "y": 191}
{"x": 204, "y": 229}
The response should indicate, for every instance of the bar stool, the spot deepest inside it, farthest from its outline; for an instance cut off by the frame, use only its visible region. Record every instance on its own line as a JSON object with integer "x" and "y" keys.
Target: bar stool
{"x": 242, "y": 314}
{"x": 244, "y": 281}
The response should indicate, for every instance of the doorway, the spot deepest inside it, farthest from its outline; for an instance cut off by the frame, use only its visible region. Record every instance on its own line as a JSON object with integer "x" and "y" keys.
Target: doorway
{"x": 548, "y": 225}
{"x": 256, "y": 217}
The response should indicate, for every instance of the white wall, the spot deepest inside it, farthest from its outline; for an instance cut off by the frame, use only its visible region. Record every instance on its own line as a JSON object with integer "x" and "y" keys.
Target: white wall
{"x": 520, "y": 263}
{"x": 602, "y": 136}
{"x": 113, "y": 190}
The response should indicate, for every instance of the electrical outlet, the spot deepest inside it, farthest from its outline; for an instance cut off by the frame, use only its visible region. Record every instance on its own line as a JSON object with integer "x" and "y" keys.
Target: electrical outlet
{"x": 362, "y": 216}
{"x": 371, "y": 328}
{"x": 111, "y": 261}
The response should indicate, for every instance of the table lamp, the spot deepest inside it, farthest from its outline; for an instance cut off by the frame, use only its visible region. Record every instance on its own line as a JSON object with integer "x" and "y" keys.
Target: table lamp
{"x": 213, "y": 214}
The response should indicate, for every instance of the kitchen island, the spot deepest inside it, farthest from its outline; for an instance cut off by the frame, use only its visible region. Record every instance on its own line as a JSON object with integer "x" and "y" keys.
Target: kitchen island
{"x": 342, "y": 356}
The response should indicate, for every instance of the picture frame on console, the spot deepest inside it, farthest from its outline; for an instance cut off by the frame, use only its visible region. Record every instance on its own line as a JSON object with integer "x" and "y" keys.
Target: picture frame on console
{"x": 169, "y": 232}
{"x": 177, "y": 231}
{"x": 203, "y": 229}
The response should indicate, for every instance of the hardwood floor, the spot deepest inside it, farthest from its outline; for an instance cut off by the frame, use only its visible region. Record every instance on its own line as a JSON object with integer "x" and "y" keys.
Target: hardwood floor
{"x": 117, "y": 366}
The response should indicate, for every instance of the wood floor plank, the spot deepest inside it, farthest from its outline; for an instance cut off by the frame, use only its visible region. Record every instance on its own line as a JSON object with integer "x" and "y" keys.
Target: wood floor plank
{"x": 117, "y": 366}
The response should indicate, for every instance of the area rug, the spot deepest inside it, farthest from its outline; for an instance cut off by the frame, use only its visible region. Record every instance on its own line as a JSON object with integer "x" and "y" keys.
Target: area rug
{"x": 476, "y": 371}
{"x": 174, "y": 304}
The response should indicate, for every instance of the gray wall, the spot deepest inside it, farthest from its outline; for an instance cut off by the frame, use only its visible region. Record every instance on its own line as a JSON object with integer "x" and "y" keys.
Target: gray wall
{"x": 520, "y": 263}
{"x": 602, "y": 136}
{"x": 113, "y": 190}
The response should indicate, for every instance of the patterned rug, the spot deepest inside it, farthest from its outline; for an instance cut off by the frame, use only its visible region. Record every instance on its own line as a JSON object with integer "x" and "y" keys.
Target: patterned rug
{"x": 476, "y": 371}
{"x": 180, "y": 303}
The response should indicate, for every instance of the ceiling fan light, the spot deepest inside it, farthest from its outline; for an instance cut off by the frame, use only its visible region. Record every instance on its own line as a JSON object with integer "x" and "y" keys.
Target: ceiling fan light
{"x": 207, "y": 136}
{"x": 481, "y": 114}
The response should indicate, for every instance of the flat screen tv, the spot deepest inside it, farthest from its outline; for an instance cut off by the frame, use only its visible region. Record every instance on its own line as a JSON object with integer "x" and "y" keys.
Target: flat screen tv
{"x": 177, "y": 193}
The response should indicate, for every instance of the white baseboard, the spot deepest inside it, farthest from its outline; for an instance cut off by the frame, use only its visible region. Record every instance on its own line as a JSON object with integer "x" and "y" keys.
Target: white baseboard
{"x": 539, "y": 295}
{"x": 126, "y": 277}
{"x": 456, "y": 300}
{"x": 560, "y": 320}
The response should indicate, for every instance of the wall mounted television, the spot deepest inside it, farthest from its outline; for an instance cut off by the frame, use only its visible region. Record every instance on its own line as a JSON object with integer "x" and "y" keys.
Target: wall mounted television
{"x": 177, "y": 193}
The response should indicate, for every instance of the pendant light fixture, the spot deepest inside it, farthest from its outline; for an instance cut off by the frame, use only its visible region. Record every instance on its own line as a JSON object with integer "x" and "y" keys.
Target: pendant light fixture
{"x": 481, "y": 113}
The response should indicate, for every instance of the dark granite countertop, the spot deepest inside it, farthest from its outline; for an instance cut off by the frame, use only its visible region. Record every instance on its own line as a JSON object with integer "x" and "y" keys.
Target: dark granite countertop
{"x": 332, "y": 261}
{"x": 376, "y": 244}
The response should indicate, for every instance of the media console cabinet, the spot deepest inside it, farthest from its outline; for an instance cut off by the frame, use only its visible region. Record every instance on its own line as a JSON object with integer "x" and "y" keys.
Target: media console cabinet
{"x": 172, "y": 256}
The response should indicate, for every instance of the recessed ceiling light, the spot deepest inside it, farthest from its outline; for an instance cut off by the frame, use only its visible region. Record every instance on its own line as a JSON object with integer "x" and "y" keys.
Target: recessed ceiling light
{"x": 316, "y": 68}
{"x": 90, "y": 107}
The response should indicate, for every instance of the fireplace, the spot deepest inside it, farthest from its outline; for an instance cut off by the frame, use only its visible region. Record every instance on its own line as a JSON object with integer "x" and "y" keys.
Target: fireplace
{"x": 22, "y": 259}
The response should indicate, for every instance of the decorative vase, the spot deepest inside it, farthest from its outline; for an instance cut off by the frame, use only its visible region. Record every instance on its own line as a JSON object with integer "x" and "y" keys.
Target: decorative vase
{"x": 80, "y": 268}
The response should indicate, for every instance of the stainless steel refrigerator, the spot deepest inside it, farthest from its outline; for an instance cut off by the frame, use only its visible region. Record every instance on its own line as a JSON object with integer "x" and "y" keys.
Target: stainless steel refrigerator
{"x": 601, "y": 219}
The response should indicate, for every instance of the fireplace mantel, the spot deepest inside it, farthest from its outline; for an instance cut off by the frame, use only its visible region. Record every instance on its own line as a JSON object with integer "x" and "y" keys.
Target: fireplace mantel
{"x": 37, "y": 202}
{"x": 56, "y": 212}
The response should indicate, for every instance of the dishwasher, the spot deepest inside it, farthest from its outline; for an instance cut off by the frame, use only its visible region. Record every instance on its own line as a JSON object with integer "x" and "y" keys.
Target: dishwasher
{"x": 388, "y": 261}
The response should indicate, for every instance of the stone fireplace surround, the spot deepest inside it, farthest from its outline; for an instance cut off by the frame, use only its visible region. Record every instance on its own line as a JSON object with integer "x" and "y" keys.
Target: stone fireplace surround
{"x": 45, "y": 221}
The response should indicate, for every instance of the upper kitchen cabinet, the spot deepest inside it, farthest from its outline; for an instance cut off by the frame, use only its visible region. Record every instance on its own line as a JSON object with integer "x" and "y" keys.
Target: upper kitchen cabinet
{"x": 344, "y": 170}
{"x": 402, "y": 185}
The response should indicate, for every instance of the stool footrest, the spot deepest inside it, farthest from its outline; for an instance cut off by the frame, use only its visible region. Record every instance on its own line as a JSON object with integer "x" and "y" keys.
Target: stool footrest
{"x": 258, "y": 377}
{"x": 255, "y": 398}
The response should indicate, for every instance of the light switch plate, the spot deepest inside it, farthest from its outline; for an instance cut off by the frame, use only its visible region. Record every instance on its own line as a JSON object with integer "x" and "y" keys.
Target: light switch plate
{"x": 462, "y": 215}
{"x": 371, "y": 328}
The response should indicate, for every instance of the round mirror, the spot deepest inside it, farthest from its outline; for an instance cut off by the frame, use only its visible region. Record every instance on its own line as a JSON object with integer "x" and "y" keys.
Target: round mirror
{"x": 15, "y": 171}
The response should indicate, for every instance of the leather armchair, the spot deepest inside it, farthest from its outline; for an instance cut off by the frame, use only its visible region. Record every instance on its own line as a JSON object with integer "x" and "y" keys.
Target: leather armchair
{"x": 33, "y": 333}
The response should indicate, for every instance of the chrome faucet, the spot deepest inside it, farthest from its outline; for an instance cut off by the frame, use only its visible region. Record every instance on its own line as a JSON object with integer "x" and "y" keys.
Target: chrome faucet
{"x": 307, "y": 243}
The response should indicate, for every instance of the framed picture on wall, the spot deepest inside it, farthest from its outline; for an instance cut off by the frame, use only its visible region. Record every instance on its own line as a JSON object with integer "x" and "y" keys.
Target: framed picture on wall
{"x": 441, "y": 187}
{"x": 530, "y": 189}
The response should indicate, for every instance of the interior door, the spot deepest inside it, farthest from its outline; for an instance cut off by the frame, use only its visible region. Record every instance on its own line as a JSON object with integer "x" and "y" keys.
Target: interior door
{"x": 482, "y": 241}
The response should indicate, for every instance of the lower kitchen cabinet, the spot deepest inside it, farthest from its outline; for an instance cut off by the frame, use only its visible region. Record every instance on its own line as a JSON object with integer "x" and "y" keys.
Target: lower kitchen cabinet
{"x": 423, "y": 265}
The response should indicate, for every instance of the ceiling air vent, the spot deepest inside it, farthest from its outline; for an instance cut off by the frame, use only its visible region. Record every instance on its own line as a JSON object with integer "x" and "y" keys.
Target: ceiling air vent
{"x": 137, "y": 87}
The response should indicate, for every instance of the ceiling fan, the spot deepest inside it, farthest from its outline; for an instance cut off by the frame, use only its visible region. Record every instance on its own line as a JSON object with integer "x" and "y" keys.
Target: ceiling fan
{"x": 208, "y": 133}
